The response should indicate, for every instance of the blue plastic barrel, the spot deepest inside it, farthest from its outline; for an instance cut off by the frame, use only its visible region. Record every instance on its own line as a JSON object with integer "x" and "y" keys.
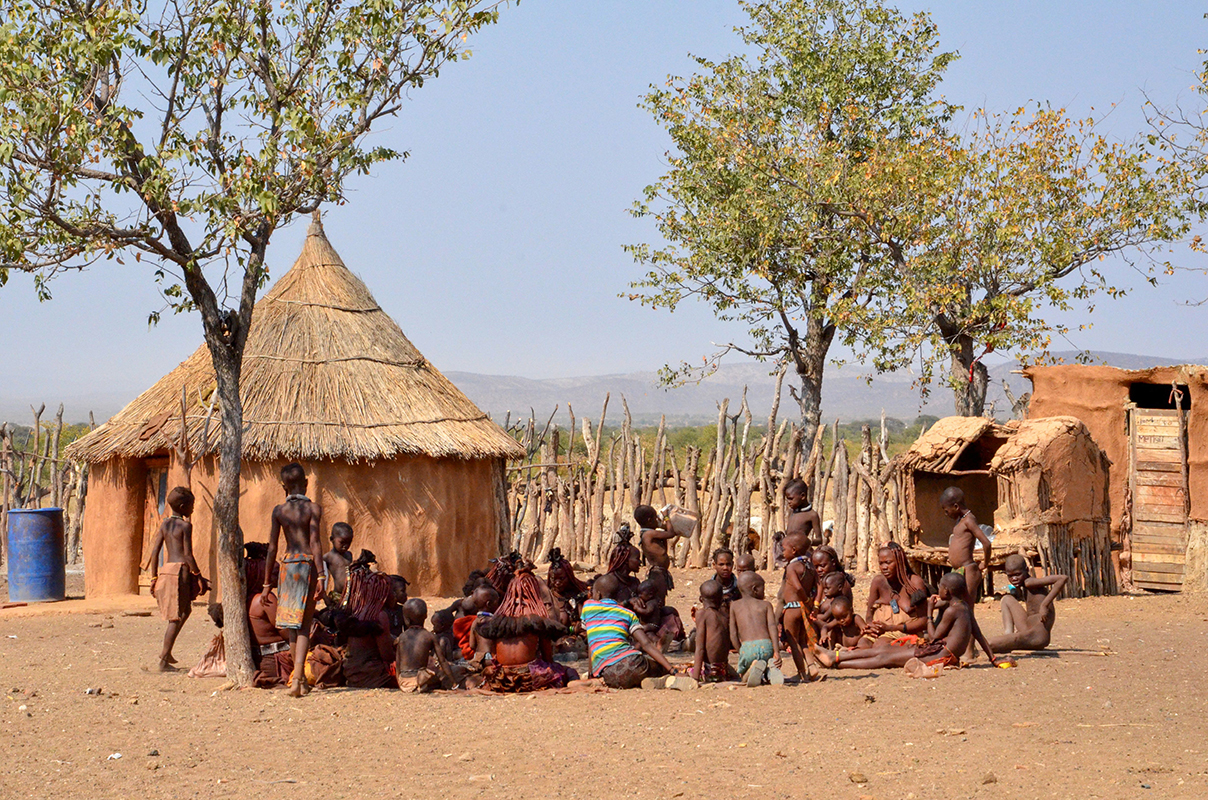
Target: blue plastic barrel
{"x": 36, "y": 568}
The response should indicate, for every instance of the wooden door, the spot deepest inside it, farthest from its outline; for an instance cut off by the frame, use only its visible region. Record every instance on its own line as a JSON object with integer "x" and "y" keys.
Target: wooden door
{"x": 1159, "y": 498}
{"x": 155, "y": 509}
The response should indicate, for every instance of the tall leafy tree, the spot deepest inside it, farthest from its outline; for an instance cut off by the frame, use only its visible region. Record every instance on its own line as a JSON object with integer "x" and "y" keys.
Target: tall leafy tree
{"x": 1016, "y": 221}
{"x": 776, "y": 152}
{"x": 187, "y": 133}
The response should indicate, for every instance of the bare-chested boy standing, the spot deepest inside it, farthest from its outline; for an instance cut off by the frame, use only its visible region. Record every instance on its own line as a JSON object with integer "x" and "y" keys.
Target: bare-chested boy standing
{"x": 655, "y": 543}
{"x": 965, "y": 532}
{"x": 336, "y": 560}
{"x": 302, "y": 574}
{"x": 172, "y": 584}
{"x": 797, "y": 592}
{"x": 1030, "y": 626}
{"x": 802, "y": 518}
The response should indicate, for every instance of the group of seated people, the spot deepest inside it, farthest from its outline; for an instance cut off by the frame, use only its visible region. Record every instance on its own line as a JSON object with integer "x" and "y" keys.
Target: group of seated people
{"x": 514, "y": 631}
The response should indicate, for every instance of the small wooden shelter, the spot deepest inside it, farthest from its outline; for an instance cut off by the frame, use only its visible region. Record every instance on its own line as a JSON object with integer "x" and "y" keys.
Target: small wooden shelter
{"x": 329, "y": 380}
{"x": 1153, "y": 426}
{"x": 1043, "y": 485}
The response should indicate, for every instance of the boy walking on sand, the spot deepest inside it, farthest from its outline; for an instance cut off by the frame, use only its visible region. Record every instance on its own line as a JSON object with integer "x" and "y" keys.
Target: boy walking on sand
{"x": 178, "y": 581}
{"x": 301, "y": 582}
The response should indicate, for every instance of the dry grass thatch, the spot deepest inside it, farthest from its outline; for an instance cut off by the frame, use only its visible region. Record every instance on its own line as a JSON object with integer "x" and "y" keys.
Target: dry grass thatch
{"x": 326, "y": 375}
{"x": 938, "y": 449}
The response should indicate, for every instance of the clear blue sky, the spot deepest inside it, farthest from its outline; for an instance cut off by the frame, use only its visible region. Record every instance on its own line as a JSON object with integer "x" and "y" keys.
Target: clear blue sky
{"x": 497, "y": 245}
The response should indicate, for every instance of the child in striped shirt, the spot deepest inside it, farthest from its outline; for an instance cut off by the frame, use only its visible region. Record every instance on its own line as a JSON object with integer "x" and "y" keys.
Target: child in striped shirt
{"x": 612, "y": 633}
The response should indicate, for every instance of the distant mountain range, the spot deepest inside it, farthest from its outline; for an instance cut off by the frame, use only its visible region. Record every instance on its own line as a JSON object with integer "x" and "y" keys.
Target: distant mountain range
{"x": 847, "y": 394}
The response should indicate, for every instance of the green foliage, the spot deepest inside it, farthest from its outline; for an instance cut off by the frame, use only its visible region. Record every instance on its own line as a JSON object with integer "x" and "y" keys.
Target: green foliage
{"x": 773, "y": 152}
{"x": 190, "y": 132}
{"x": 1020, "y": 211}
{"x": 817, "y": 190}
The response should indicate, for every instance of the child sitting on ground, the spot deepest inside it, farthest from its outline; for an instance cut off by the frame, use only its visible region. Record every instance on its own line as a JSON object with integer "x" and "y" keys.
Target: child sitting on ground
{"x": 442, "y": 629}
{"x": 833, "y": 586}
{"x": 484, "y": 600}
{"x": 415, "y": 651}
{"x": 753, "y": 629}
{"x": 648, "y": 606}
{"x": 479, "y": 646}
{"x": 1030, "y": 626}
{"x": 844, "y": 629}
{"x": 337, "y": 560}
{"x": 825, "y": 561}
{"x": 712, "y": 663}
{"x": 394, "y": 608}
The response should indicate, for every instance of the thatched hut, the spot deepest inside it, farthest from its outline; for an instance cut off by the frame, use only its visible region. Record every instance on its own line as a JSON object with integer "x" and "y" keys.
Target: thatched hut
{"x": 1041, "y": 484}
{"x": 1152, "y": 425}
{"x": 329, "y": 380}
{"x": 955, "y": 451}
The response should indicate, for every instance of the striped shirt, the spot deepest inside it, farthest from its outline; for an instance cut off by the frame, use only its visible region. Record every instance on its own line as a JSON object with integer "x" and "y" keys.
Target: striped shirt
{"x": 608, "y": 624}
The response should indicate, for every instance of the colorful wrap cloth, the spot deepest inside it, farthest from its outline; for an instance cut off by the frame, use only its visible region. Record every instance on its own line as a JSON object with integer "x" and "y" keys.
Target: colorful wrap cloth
{"x": 295, "y": 590}
{"x": 174, "y": 591}
{"x": 752, "y": 651}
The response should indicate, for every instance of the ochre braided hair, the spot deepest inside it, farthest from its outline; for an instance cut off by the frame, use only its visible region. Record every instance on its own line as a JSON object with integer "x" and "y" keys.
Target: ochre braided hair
{"x": 366, "y": 592}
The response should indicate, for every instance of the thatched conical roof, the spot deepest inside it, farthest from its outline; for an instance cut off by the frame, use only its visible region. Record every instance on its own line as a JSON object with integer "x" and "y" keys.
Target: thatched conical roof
{"x": 326, "y": 375}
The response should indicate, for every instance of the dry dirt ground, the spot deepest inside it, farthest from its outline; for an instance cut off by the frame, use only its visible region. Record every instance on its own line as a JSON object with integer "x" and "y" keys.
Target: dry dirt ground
{"x": 1116, "y": 709}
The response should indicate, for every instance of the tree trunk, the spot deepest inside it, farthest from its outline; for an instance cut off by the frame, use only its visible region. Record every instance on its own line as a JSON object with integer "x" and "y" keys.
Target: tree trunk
{"x": 227, "y": 367}
{"x": 864, "y": 504}
{"x": 809, "y": 358}
{"x": 970, "y": 378}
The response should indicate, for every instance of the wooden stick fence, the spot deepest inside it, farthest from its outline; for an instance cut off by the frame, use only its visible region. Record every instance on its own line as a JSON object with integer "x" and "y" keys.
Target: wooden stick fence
{"x": 573, "y": 489}
{"x": 33, "y": 475}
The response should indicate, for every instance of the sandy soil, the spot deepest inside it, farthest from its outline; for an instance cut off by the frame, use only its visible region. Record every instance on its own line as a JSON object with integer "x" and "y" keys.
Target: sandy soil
{"x": 1115, "y": 710}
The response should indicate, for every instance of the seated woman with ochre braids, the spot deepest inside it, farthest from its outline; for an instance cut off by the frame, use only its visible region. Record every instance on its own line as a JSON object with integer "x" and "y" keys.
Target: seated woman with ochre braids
{"x": 567, "y": 592}
{"x": 623, "y": 563}
{"x": 897, "y": 598}
{"x": 522, "y": 633}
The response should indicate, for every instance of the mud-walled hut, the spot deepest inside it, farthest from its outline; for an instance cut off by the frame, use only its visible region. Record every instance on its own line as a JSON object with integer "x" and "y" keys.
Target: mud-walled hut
{"x": 1153, "y": 425}
{"x": 1042, "y": 486}
{"x": 1053, "y": 485}
{"x": 329, "y": 380}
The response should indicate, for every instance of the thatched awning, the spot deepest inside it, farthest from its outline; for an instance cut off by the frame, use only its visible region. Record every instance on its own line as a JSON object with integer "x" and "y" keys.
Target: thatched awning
{"x": 942, "y": 445}
{"x": 326, "y": 375}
